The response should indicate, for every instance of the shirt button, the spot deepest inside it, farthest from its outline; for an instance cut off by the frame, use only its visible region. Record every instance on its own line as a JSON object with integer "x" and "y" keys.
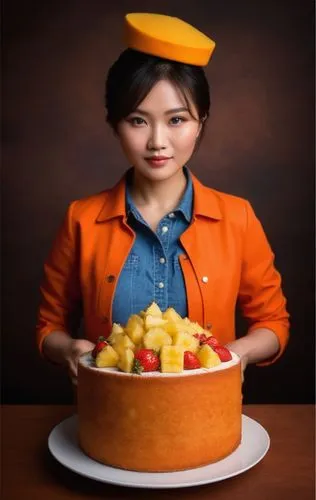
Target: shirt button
{"x": 162, "y": 260}
{"x": 171, "y": 215}
{"x": 205, "y": 279}
{"x": 164, "y": 229}
{"x": 161, "y": 285}
{"x": 110, "y": 278}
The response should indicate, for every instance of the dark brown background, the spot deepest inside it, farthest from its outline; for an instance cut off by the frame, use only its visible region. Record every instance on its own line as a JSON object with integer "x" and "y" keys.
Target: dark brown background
{"x": 56, "y": 148}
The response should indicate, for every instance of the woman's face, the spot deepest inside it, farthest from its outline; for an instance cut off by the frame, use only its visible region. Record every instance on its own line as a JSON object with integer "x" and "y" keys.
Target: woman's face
{"x": 158, "y": 138}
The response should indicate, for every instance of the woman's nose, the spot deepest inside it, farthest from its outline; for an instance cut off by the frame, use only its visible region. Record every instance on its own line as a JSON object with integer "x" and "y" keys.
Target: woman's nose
{"x": 157, "y": 139}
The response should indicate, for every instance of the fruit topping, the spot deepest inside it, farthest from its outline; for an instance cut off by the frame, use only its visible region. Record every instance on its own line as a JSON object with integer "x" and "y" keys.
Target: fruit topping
{"x": 101, "y": 343}
{"x": 223, "y": 353}
{"x": 191, "y": 361}
{"x": 145, "y": 360}
{"x": 106, "y": 357}
{"x": 208, "y": 358}
{"x": 172, "y": 358}
{"x": 156, "y": 340}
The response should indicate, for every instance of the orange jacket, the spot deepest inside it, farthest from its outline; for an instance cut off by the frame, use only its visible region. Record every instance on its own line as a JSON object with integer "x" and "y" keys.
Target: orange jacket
{"x": 227, "y": 258}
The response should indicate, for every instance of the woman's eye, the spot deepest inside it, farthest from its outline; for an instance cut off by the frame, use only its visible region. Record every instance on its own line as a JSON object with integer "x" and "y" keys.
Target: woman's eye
{"x": 176, "y": 120}
{"x": 136, "y": 120}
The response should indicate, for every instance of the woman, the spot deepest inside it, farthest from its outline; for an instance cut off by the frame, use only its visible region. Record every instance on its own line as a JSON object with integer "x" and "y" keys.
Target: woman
{"x": 159, "y": 234}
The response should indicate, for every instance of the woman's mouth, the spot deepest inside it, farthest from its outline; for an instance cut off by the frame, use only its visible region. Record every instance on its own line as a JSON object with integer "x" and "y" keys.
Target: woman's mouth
{"x": 158, "y": 161}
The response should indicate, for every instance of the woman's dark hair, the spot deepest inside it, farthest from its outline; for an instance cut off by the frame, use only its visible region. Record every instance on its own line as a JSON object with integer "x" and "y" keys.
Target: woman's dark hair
{"x": 134, "y": 74}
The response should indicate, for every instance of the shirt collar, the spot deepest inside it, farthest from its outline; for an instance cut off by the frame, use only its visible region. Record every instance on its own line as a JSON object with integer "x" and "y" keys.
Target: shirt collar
{"x": 206, "y": 203}
{"x": 130, "y": 206}
{"x": 186, "y": 202}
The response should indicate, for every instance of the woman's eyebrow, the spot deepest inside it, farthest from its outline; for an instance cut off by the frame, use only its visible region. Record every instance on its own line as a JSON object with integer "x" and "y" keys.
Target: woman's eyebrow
{"x": 169, "y": 112}
{"x": 176, "y": 110}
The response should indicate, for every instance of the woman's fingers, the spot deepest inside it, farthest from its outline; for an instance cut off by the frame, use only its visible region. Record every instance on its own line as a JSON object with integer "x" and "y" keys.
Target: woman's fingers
{"x": 73, "y": 367}
{"x": 78, "y": 347}
{"x": 82, "y": 345}
{"x": 73, "y": 370}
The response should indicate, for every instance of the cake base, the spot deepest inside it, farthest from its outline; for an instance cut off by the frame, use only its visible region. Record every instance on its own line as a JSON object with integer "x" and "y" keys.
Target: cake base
{"x": 64, "y": 447}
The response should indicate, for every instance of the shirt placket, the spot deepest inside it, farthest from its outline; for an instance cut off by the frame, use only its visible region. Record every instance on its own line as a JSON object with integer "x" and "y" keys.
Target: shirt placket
{"x": 161, "y": 262}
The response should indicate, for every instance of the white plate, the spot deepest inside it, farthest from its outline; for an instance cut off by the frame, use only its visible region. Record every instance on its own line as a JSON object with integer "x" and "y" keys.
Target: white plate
{"x": 63, "y": 445}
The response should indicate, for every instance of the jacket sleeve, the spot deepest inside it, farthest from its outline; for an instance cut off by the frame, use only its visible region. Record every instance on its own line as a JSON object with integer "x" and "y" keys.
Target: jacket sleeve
{"x": 60, "y": 290}
{"x": 260, "y": 295}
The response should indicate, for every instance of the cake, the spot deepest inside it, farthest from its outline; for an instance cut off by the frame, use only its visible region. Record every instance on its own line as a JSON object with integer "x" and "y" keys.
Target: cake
{"x": 177, "y": 417}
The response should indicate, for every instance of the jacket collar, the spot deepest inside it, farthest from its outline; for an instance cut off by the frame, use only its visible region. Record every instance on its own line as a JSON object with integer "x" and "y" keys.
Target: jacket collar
{"x": 114, "y": 205}
{"x": 206, "y": 202}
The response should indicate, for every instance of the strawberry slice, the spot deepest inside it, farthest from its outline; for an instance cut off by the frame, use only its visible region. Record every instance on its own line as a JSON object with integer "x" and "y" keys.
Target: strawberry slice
{"x": 145, "y": 360}
{"x": 223, "y": 353}
{"x": 201, "y": 337}
{"x": 212, "y": 342}
{"x": 191, "y": 361}
{"x": 101, "y": 343}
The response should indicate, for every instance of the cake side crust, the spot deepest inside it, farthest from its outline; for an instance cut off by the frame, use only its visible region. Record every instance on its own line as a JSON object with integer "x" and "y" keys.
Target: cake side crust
{"x": 159, "y": 423}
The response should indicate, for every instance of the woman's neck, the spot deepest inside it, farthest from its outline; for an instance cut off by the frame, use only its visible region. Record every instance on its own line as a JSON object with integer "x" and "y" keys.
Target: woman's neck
{"x": 163, "y": 196}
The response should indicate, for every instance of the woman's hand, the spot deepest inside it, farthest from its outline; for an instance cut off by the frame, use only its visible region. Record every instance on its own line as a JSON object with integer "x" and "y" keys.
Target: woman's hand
{"x": 72, "y": 354}
{"x": 244, "y": 360}
{"x": 63, "y": 350}
{"x": 244, "y": 363}
{"x": 259, "y": 345}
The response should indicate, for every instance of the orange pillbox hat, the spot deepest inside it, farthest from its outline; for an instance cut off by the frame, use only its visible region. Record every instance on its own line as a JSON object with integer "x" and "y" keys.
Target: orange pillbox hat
{"x": 168, "y": 37}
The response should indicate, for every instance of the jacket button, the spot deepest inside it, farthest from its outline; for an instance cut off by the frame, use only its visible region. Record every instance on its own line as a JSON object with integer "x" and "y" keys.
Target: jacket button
{"x": 205, "y": 279}
{"x": 110, "y": 278}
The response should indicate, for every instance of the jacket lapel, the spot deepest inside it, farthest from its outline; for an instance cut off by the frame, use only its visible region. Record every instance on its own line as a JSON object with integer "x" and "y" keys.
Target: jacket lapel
{"x": 118, "y": 239}
{"x": 201, "y": 244}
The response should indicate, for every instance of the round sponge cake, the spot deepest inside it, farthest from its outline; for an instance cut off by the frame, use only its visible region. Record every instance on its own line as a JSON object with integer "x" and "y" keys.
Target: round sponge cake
{"x": 159, "y": 422}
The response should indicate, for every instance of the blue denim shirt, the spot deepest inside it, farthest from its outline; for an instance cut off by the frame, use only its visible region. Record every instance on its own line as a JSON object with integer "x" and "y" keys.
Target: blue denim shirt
{"x": 152, "y": 271}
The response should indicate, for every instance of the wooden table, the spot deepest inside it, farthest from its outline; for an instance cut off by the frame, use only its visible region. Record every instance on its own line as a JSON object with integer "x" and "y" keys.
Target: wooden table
{"x": 29, "y": 472}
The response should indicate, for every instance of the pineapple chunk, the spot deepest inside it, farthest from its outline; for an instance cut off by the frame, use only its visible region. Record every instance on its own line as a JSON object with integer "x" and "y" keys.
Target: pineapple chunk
{"x": 135, "y": 328}
{"x": 172, "y": 328}
{"x": 116, "y": 330}
{"x": 152, "y": 321}
{"x": 188, "y": 328}
{"x": 155, "y": 338}
{"x": 171, "y": 359}
{"x": 153, "y": 310}
{"x": 187, "y": 340}
{"x": 123, "y": 342}
{"x": 172, "y": 316}
{"x": 208, "y": 358}
{"x": 107, "y": 357}
{"x": 179, "y": 327}
{"x": 197, "y": 327}
{"x": 126, "y": 360}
